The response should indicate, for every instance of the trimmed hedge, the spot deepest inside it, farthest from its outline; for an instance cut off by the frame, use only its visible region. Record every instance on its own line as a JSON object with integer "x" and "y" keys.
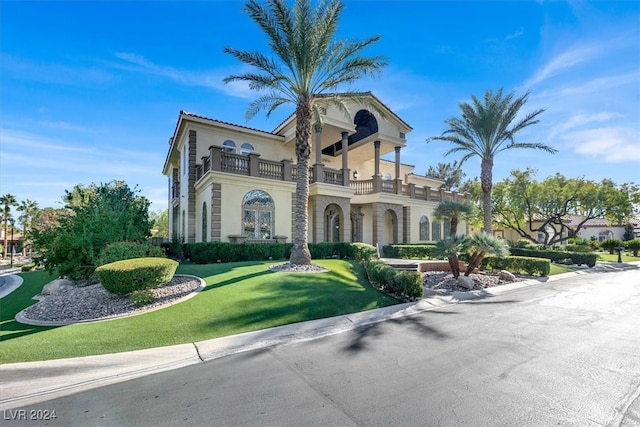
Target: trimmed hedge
{"x": 124, "y": 277}
{"x": 517, "y": 264}
{"x": 409, "y": 251}
{"x": 403, "y": 283}
{"x": 211, "y": 252}
{"x": 578, "y": 258}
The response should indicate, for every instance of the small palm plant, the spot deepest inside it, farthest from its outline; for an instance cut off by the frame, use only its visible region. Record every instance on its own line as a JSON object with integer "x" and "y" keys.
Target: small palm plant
{"x": 449, "y": 248}
{"x": 482, "y": 244}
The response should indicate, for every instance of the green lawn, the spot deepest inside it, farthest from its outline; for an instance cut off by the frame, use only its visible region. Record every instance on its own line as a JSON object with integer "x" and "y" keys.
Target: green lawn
{"x": 626, "y": 257}
{"x": 239, "y": 297}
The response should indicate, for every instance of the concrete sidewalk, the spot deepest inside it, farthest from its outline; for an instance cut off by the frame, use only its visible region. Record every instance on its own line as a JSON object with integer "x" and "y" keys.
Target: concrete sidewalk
{"x": 32, "y": 382}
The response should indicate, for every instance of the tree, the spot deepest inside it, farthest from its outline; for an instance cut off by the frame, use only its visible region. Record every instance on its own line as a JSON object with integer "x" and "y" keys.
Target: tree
{"x": 6, "y": 201}
{"x": 485, "y": 130}
{"x": 160, "y": 221}
{"x": 29, "y": 209}
{"x": 559, "y": 207}
{"x": 449, "y": 248}
{"x": 450, "y": 173}
{"x": 108, "y": 213}
{"x": 308, "y": 64}
{"x": 454, "y": 211}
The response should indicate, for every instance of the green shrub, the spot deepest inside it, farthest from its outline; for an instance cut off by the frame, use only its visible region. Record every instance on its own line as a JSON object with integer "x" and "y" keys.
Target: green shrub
{"x": 633, "y": 246}
{"x": 610, "y": 244}
{"x": 211, "y": 252}
{"x": 123, "y": 277}
{"x": 420, "y": 251}
{"x": 119, "y": 251}
{"x": 142, "y": 297}
{"x": 28, "y": 267}
{"x": 578, "y": 248}
{"x": 407, "y": 283}
{"x": 577, "y": 257}
{"x": 173, "y": 249}
{"x": 522, "y": 243}
{"x": 518, "y": 264}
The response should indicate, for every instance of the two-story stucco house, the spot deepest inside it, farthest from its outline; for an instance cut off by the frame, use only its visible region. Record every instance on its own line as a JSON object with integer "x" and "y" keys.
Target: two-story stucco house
{"x": 232, "y": 183}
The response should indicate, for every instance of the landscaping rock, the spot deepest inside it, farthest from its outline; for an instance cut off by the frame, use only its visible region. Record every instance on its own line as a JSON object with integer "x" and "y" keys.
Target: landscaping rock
{"x": 466, "y": 282}
{"x": 56, "y": 286}
{"x": 507, "y": 276}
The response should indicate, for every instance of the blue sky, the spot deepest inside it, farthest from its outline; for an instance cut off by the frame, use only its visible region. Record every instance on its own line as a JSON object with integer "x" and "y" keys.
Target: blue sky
{"x": 90, "y": 91}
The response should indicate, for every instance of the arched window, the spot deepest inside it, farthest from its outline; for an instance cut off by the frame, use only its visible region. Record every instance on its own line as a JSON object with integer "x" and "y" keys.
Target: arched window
{"x": 387, "y": 176}
{"x": 246, "y": 149}
{"x": 229, "y": 146}
{"x": 257, "y": 215}
{"x": 436, "y": 231}
{"x": 204, "y": 222}
{"x": 424, "y": 228}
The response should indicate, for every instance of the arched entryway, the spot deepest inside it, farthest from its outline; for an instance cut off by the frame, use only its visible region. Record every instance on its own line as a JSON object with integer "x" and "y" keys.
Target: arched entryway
{"x": 390, "y": 228}
{"x": 333, "y": 223}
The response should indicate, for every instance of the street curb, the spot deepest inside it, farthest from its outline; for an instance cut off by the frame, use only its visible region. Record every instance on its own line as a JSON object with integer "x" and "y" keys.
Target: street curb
{"x": 15, "y": 282}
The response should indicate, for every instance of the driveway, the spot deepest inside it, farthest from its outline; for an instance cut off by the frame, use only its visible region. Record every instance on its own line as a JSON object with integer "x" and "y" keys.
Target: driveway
{"x": 564, "y": 353}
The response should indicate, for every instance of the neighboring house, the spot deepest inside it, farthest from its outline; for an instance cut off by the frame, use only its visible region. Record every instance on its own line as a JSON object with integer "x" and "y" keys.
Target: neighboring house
{"x": 234, "y": 184}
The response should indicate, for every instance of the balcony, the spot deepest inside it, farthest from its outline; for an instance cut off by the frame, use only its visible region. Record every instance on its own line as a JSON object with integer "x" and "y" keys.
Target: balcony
{"x": 252, "y": 165}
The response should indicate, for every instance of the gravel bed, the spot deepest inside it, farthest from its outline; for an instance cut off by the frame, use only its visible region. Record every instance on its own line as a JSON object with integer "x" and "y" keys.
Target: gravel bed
{"x": 93, "y": 302}
{"x": 442, "y": 282}
{"x": 298, "y": 268}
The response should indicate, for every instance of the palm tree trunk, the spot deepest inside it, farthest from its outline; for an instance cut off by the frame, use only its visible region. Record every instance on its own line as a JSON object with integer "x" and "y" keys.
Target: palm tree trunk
{"x": 486, "y": 179}
{"x": 300, "y": 252}
{"x": 454, "y": 226}
{"x": 454, "y": 264}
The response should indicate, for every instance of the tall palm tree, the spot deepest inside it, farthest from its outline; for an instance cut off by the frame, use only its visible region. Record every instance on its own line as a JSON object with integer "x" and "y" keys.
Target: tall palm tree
{"x": 485, "y": 129}
{"x": 307, "y": 66}
{"x": 6, "y": 201}
{"x": 29, "y": 209}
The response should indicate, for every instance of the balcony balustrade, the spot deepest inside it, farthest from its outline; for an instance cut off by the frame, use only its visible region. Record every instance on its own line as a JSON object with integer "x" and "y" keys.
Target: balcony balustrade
{"x": 285, "y": 170}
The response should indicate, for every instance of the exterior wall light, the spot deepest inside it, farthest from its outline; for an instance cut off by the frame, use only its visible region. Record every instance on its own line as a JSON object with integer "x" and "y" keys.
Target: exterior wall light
{"x": 355, "y": 174}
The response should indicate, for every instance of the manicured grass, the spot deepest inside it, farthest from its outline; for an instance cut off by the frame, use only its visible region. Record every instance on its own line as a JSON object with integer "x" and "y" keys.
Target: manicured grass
{"x": 239, "y": 297}
{"x": 559, "y": 269}
{"x": 626, "y": 257}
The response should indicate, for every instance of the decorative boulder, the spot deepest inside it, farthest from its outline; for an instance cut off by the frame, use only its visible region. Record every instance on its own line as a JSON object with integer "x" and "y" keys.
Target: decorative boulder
{"x": 466, "y": 282}
{"x": 56, "y": 286}
{"x": 507, "y": 276}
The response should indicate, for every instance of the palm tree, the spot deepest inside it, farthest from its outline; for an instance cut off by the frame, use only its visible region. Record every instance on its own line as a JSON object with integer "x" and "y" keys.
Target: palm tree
{"x": 29, "y": 209}
{"x": 486, "y": 129}
{"x": 308, "y": 65}
{"x": 449, "y": 248}
{"x": 454, "y": 211}
{"x": 6, "y": 201}
{"x": 480, "y": 245}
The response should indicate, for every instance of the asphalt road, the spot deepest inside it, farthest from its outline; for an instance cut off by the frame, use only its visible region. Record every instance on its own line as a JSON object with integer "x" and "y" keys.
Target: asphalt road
{"x": 562, "y": 354}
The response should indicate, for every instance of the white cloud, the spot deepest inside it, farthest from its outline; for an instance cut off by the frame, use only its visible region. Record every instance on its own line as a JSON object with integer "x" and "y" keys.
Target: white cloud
{"x": 581, "y": 119}
{"x": 208, "y": 79}
{"x": 564, "y": 61}
{"x": 609, "y": 144}
{"x": 515, "y": 35}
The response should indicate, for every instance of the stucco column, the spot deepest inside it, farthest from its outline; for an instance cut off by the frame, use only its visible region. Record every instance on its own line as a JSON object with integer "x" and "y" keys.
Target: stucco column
{"x": 398, "y": 180}
{"x": 318, "y": 167}
{"x": 318, "y": 130}
{"x": 376, "y": 146}
{"x": 345, "y": 159}
{"x": 377, "y": 178}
